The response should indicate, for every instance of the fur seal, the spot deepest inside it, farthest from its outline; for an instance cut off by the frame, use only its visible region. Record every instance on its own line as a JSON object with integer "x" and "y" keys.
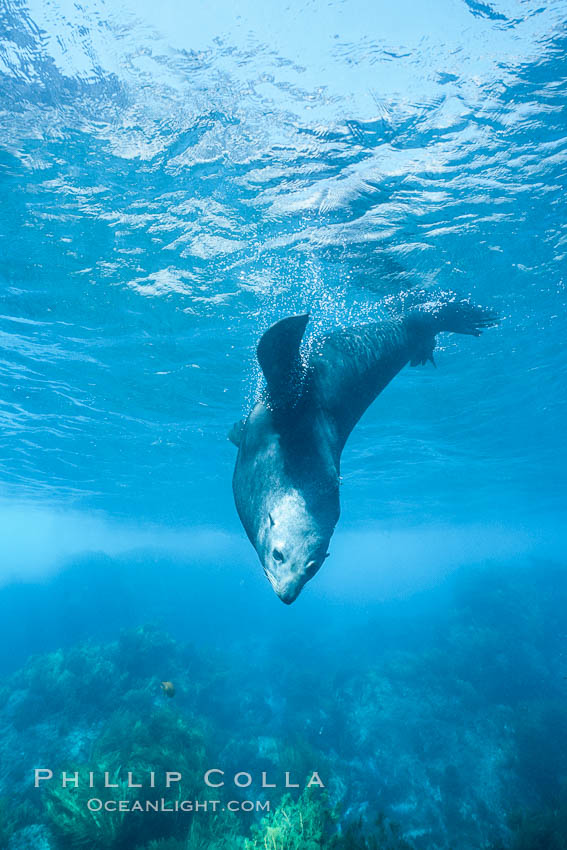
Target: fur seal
{"x": 286, "y": 477}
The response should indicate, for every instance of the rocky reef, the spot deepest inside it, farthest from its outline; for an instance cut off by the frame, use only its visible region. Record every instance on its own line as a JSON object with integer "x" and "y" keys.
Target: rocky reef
{"x": 437, "y": 734}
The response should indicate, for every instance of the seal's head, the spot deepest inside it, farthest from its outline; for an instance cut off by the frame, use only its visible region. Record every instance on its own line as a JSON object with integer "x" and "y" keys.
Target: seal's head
{"x": 292, "y": 545}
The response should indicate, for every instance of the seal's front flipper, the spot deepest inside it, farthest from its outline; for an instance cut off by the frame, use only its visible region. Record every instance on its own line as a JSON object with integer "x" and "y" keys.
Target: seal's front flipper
{"x": 235, "y": 433}
{"x": 278, "y": 355}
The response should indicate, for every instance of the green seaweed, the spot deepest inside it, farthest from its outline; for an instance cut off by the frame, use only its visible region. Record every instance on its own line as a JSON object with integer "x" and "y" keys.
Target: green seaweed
{"x": 541, "y": 829}
{"x": 310, "y": 823}
{"x": 304, "y": 824}
{"x": 450, "y": 733}
{"x": 76, "y": 826}
{"x": 140, "y": 746}
{"x": 7, "y": 825}
{"x": 213, "y": 833}
{"x": 386, "y": 835}
{"x": 15, "y": 816}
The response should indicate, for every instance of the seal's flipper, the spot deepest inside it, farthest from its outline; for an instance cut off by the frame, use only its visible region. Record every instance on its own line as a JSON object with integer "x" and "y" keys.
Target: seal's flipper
{"x": 278, "y": 355}
{"x": 459, "y": 317}
{"x": 462, "y": 317}
{"x": 235, "y": 433}
{"x": 351, "y": 367}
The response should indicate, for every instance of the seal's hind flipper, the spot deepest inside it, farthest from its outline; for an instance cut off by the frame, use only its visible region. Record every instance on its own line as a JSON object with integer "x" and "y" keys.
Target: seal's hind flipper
{"x": 278, "y": 355}
{"x": 462, "y": 317}
{"x": 424, "y": 357}
{"x": 352, "y": 366}
{"x": 459, "y": 317}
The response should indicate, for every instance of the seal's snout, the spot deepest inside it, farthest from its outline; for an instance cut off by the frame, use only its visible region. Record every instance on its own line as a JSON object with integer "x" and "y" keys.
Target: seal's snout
{"x": 288, "y": 590}
{"x": 289, "y": 594}
{"x": 287, "y": 599}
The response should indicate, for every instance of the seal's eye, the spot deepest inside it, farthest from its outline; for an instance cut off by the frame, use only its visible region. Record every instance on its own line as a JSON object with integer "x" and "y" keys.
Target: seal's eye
{"x": 277, "y": 556}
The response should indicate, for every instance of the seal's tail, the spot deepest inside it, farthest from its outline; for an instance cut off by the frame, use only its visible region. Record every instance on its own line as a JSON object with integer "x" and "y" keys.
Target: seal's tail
{"x": 460, "y": 317}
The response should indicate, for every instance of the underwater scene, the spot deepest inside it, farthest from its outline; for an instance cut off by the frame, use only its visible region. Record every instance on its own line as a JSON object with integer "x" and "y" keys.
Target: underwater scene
{"x": 282, "y": 415}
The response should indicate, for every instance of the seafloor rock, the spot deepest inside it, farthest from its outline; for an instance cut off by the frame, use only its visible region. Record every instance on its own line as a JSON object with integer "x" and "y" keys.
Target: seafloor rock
{"x": 457, "y": 735}
{"x": 33, "y": 837}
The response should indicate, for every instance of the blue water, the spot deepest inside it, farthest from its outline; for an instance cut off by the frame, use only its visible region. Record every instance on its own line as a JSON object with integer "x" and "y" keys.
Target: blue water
{"x": 175, "y": 177}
